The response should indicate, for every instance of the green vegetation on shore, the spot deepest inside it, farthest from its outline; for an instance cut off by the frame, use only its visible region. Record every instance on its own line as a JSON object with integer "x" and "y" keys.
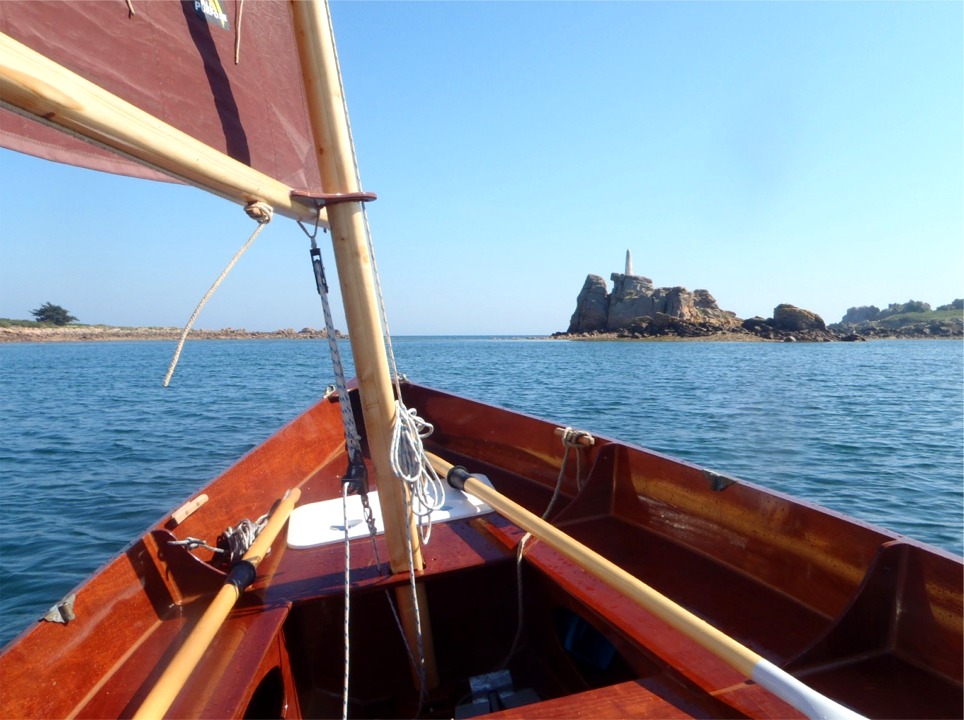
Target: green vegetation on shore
{"x": 911, "y": 318}
{"x": 9, "y": 323}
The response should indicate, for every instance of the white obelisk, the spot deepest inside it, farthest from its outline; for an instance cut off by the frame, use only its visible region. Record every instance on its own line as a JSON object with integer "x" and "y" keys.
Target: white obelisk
{"x": 629, "y": 263}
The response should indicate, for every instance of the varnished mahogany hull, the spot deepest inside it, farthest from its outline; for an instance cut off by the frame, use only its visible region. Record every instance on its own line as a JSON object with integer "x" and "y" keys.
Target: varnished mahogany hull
{"x": 867, "y": 617}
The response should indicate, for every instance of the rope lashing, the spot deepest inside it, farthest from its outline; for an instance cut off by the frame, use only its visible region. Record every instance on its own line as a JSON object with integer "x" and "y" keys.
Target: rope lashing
{"x": 262, "y": 213}
{"x": 575, "y": 440}
{"x": 235, "y": 541}
{"x": 571, "y": 439}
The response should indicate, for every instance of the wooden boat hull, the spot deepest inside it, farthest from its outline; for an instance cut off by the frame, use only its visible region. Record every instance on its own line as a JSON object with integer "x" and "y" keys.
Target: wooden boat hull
{"x": 865, "y": 616}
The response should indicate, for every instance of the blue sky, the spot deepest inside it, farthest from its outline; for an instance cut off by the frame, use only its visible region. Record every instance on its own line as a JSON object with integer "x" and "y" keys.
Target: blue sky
{"x": 808, "y": 153}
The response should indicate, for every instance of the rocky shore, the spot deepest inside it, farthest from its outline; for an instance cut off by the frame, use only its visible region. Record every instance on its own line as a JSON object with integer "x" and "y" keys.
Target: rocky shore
{"x": 88, "y": 333}
{"x": 637, "y": 310}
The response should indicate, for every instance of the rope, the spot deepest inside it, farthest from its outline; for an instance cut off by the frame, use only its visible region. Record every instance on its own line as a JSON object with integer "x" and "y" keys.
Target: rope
{"x": 409, "y": 463}
{"x": 352, "y": 438}
{"x": 259, "y": 211}
{"x": 570, "y": 440}
{"x": 233, "y": 543}
{"x": 237, "y": 34}
{"x": 344, "y": 508}
{"x": 519, "y": 552}
{"x": 420, "y": 668}
{"x": 408, "y": 427}
{"x": 408, "y": 647}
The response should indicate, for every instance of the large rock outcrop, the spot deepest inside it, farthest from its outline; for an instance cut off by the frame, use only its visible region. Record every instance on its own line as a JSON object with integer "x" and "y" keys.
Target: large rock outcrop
{"x": 790, "y": 324}
{"x": 636, "y": 306}
{"x": 790, "y": 318}
{"x": 592, "y": 306}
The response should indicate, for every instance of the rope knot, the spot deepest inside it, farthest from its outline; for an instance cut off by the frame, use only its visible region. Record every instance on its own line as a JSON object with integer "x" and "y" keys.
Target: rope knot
{"x": 260, "y": 211}
{"x": 572, "y": 438}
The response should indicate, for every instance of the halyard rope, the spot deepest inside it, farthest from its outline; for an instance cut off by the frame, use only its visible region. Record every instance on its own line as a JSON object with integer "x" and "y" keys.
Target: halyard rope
{"x": 352, "y": 438}
{"x": 260, "y": 211}
{"x": 402, "y": 414}
{"x": 344, "y": 508}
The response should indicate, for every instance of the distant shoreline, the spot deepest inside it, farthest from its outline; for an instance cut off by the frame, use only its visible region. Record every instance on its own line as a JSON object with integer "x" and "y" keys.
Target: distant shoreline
{"x": 101, "y": 333}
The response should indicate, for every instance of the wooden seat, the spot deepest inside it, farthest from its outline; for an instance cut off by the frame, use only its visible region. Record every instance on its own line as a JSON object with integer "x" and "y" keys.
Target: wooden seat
{"x": 625, "y": 700}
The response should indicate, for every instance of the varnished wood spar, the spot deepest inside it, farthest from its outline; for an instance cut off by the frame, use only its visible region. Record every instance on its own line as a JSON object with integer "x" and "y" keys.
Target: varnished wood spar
{"x": 159, "y": 700}
{"x": 734, "y": 653}
{"x": 37, "y": 87}
{"x": 336, "y": 160}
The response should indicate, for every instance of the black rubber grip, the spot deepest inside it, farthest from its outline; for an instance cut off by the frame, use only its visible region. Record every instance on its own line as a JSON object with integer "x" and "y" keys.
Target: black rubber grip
{"x": 457, "y": 476}
{"x": 242, "y": 574}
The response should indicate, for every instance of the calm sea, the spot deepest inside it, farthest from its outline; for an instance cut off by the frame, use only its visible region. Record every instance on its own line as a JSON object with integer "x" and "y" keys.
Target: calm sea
{"x": 93, "y": 450}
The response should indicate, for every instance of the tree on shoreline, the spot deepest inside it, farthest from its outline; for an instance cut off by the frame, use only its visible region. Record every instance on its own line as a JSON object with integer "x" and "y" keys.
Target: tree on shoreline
{"x": 52, "y": 314}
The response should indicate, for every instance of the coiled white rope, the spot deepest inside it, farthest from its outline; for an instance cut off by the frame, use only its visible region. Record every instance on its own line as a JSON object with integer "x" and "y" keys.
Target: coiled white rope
{"x": 260, "y": 211}
{"x": 409, "y": 463}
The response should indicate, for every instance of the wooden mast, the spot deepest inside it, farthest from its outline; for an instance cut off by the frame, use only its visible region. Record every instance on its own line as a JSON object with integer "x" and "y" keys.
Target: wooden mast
{"x": 336, "y": 160}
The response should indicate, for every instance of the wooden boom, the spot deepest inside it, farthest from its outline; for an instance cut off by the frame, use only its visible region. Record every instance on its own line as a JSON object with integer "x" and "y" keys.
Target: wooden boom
{"x": 37, "y": 87}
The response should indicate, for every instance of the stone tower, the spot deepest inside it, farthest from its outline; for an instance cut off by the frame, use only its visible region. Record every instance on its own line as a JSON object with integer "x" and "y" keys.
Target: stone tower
{"x": 629, "y": 263}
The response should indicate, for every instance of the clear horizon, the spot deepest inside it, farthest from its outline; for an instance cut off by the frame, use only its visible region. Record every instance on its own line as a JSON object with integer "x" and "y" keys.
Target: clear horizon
{"x": 802, "y": 153}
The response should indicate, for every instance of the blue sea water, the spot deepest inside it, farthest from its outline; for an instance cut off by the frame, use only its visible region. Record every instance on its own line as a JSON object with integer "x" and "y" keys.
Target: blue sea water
{"x": 93, "y": 450}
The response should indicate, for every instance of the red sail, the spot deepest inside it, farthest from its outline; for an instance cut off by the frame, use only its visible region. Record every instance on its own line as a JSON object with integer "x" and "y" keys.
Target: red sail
{"x": 176, "y": 61}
